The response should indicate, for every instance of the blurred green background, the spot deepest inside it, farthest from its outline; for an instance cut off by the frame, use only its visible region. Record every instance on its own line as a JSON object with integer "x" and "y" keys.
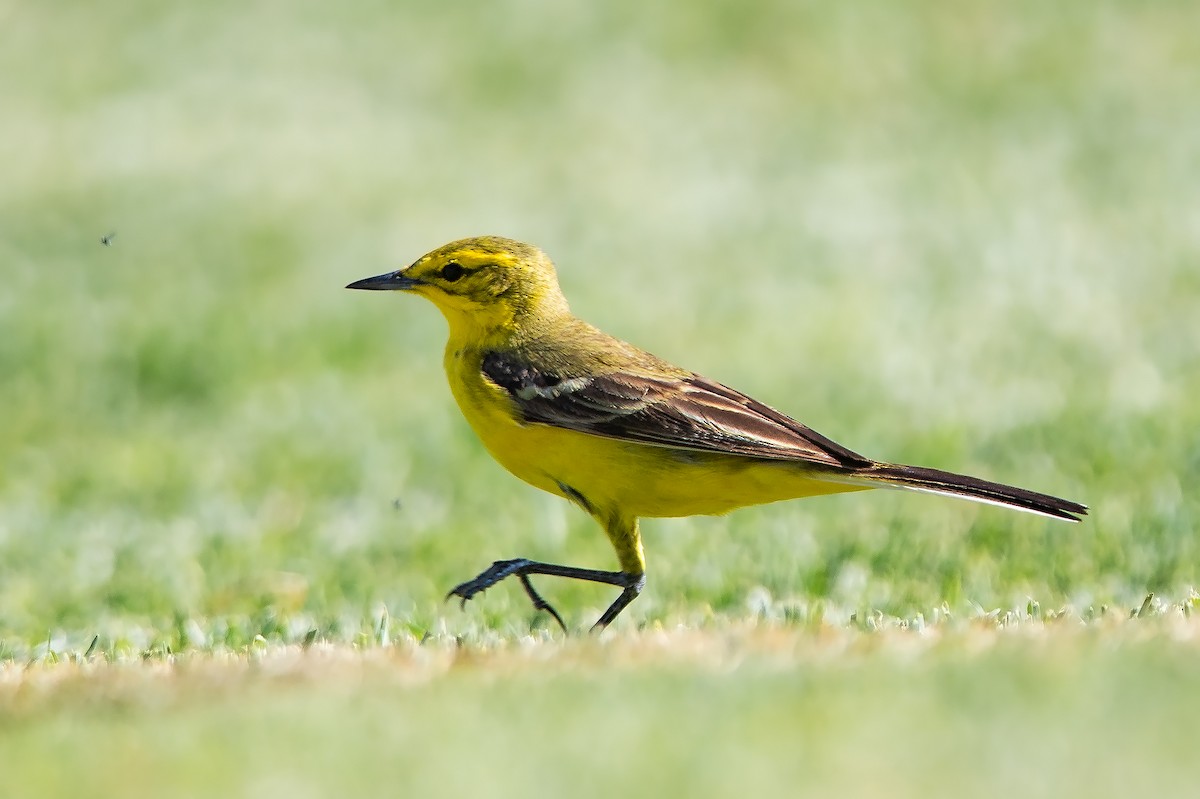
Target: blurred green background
{"x": 958, "y": 235}
{"x": 963, "y": 238}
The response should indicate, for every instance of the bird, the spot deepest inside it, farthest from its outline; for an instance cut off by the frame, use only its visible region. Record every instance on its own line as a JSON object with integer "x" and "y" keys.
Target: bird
{"x": 622, "y": 433}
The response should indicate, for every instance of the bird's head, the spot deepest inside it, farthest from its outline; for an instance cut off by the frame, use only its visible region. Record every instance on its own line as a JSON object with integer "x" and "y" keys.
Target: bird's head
{"x": 481, "y": 285}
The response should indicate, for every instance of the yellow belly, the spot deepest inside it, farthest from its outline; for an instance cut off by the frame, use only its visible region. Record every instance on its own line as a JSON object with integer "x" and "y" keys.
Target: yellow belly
{"x": 644, "y": 480}
{"x": 636, "y": 479}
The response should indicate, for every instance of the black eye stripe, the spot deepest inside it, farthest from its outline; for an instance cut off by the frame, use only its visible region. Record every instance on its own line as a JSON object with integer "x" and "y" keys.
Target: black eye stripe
{"x": 452, "y": 271}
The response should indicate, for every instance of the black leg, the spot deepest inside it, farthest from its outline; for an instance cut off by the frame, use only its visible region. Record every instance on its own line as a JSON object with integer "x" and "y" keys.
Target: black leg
{"x": 539, "y": 603}
{"x": 630, "y": 583}
{"x": 632, "y": 589}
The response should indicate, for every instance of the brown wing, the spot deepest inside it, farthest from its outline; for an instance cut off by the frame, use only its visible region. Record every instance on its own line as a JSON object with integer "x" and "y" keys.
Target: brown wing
{"x": 689, "y": 412}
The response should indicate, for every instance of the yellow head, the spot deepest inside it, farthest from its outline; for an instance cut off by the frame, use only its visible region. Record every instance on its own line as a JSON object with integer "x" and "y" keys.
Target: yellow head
{"x": 484, "y": 286}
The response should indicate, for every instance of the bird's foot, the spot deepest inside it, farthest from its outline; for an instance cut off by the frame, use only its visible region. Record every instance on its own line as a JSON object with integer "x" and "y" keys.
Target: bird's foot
{"x": 486, "y": 579}
{"x": 497, "y": 572}
{"x": 631, "y": 584}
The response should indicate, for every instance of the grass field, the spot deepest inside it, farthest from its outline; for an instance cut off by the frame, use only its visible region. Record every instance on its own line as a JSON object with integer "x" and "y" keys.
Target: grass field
{"x": 961, "y": 237}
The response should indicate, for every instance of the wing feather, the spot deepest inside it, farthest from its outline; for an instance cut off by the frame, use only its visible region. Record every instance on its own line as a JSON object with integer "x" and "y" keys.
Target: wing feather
{"x": 685, "y": 412}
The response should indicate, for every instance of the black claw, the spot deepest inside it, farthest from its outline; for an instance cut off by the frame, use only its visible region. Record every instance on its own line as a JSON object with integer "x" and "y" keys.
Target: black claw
{"x": 462, "y": 598}
{"x": 558, "y": 619}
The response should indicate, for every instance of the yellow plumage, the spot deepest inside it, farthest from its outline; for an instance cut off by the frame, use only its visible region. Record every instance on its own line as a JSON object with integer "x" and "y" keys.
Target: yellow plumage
{"x": 618, "y": 431}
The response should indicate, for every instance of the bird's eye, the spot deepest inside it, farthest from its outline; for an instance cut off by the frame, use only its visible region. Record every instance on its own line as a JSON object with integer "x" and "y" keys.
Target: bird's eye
{"x": 452, "y": 271}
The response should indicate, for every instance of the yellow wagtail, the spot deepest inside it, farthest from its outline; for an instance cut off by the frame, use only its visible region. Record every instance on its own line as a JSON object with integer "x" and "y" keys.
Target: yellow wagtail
{"x": 618, "y": 431}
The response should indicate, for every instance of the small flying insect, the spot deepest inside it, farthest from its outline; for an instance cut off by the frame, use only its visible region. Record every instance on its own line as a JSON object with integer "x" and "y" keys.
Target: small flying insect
{"x": 108, "y": 240}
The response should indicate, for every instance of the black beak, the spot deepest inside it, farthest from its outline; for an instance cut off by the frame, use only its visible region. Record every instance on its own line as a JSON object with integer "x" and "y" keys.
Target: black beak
{"x": 392, "y": 281}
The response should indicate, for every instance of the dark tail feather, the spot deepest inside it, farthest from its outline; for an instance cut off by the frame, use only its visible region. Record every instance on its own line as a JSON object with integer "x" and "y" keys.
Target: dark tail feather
{"x": 919, "y": 478}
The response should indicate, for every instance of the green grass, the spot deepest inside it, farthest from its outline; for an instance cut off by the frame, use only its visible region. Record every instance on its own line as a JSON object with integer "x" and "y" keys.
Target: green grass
{"x": 961, "y": 237}
{"x": 1041, "y": 710}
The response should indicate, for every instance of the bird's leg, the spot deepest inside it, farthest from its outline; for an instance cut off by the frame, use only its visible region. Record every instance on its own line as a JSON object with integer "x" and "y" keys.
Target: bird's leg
{"x": 539, "y": 603}
{"x": 630, "y": 583}
{"x": 632, "y": 588}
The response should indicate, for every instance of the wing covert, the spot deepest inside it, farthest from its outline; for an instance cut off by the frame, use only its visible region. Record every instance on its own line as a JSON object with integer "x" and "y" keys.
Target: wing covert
{"x": 687, "y": 412}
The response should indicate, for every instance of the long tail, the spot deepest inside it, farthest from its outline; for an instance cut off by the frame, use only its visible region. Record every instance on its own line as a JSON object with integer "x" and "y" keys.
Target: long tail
{"x": 934, "y": 481}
